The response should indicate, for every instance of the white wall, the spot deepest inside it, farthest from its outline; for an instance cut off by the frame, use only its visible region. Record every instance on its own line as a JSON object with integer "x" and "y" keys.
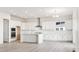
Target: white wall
{"x": 76, "y": 28}
{"x": 75, "y": 20}
{"x": 50, "y": 33}
{"x": 49, "y": 29}
{"x": 77, "y": 41}
{"x": 13, "y": 23}
{"x": 29, "y": 25}
{"x": 1, "y": 31}
{"x": 5, "y": 30}
{"x": 2, "y": 16}
{"x": 51, "y": 24}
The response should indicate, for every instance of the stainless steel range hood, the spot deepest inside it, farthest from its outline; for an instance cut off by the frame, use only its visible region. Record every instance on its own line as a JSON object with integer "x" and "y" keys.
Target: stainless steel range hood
{"x": 39, "y": 23}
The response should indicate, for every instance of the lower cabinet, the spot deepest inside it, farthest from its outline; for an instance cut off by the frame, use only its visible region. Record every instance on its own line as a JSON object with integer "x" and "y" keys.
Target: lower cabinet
{"x": 67, "y": 36}
{"x": 48, "y": 35}
{"x": 58, "y": 35}
{"x": 28, "y": 38}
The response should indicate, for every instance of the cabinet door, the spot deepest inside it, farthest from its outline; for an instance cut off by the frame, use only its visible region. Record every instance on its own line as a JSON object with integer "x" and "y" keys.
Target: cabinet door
{"x": 67, "y": 36}
{"x": 29, "y": 38}
{"x": 59, "y": 36}
{"x": 50, "y": 35}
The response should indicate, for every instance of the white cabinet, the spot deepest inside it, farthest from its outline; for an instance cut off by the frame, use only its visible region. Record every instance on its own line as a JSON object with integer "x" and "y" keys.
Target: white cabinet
{"x": 67, "y": 36}
{"x": 58, "y": 35}
{"x": 28, "y": 38}
{"x": 50, "y": 35}
{"x": 31, "y": 36}
{"x": 40, "y": 38}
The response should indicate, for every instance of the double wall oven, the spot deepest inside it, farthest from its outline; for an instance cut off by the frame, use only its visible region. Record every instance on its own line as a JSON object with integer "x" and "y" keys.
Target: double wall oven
{"x": 13, "y": 32}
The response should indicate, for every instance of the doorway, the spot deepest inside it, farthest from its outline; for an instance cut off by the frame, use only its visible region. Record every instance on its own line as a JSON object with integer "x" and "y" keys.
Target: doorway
{"x": 18, "y": 33}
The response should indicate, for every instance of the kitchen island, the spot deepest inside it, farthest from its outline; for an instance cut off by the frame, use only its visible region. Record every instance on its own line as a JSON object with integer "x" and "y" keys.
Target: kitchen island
{"x": 33, "y": 37}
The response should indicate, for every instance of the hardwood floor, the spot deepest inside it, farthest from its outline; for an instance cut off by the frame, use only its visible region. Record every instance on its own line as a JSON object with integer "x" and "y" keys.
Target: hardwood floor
{"x": 47, "y": 46}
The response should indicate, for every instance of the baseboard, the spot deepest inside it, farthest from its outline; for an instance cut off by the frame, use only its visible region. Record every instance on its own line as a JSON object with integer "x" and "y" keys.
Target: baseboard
{"x": 58, "y": 41}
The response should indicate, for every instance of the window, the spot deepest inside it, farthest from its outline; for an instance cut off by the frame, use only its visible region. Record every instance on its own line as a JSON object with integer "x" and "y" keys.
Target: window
{"x": 60, "y": 23}
{"x": 60, "y": 28}
{"x": 57, "y": 23}
{"x": 57, "y": 29}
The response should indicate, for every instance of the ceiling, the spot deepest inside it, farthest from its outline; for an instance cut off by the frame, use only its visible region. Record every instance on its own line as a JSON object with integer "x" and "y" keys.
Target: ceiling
{"x": 31, "y": 12}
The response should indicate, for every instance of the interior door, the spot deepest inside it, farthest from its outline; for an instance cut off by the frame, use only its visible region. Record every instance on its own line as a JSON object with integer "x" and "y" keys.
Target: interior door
{"x": 18, "y": 32}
